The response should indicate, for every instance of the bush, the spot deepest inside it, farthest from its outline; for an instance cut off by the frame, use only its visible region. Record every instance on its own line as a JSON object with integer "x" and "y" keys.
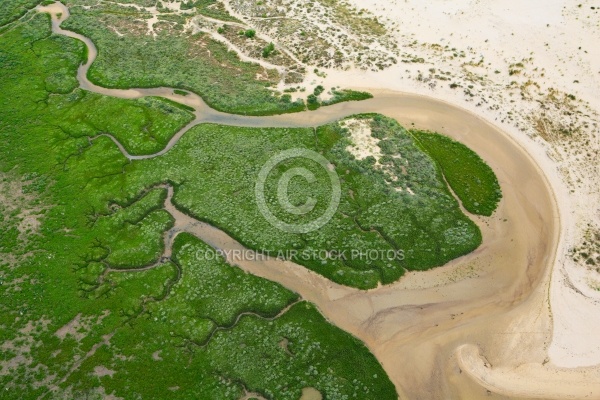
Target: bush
{"x": 312, "y": 102}
{"x": 270, "y": 48}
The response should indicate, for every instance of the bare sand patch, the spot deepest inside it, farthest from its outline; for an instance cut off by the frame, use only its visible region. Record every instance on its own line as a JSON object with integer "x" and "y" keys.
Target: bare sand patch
{"x": 101, "y": 371}
{"x": 550, "y": 382}
{"x": 80, "y": 326}
{"x": 309, "y": 393}
{"x": 363, "y": 144}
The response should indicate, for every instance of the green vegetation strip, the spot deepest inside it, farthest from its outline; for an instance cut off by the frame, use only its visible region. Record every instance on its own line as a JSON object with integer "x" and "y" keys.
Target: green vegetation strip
{"x": 473, "y": 181}
{"x": 340, "y": 96}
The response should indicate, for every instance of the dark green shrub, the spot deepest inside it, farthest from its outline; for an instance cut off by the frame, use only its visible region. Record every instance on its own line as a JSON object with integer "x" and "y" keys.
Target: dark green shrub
{"x": 270, "y": 48}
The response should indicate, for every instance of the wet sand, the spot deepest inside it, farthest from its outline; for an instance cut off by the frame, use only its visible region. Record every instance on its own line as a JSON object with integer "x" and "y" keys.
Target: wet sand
{"x": 456, "y": 331}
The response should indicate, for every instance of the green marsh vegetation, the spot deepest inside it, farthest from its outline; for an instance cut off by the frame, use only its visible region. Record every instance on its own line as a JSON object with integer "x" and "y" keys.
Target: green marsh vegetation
{"x": 471, "y": 179}
{"x": 145, "y": 125}
{"x": 377, "y": 212}
{"x": 209, "y": 8}
{"x": 12, "y": 10}
{"x": 186, "y": 326}
{"x": 341, "y": 95}
{"x": 313, "y": 101}
{"x": 73, "y": 318}
{"x": 130, "y": 56}
{"x": 172, "y": 58}
{"x": 180, "y": 92}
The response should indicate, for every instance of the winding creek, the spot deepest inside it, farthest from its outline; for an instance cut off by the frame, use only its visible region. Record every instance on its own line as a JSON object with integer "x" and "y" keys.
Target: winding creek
{"x": 442, "y": 333}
